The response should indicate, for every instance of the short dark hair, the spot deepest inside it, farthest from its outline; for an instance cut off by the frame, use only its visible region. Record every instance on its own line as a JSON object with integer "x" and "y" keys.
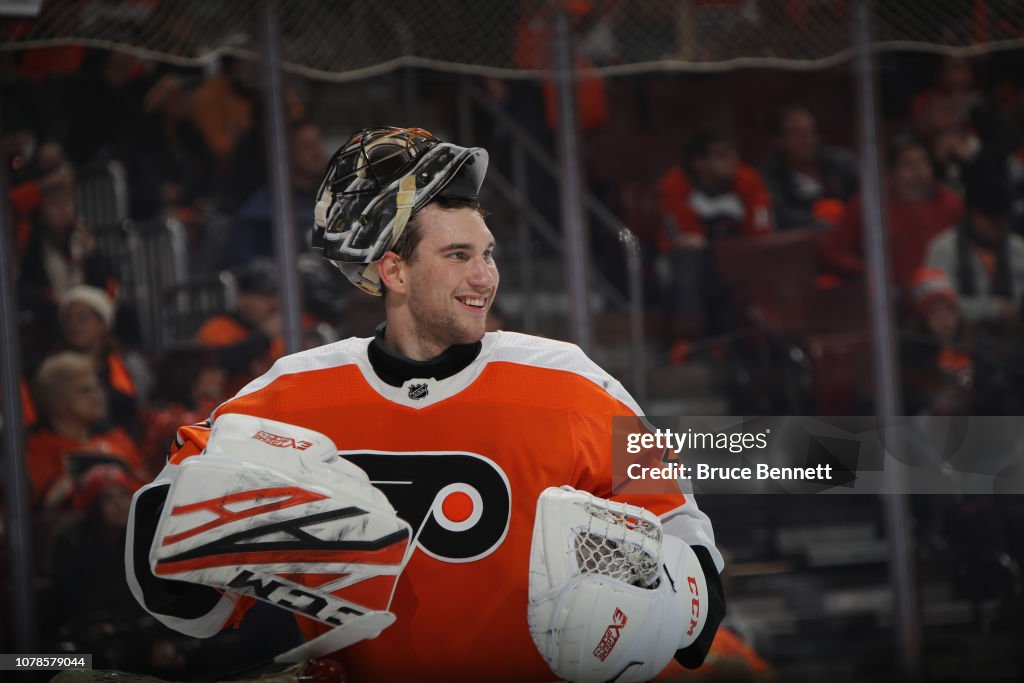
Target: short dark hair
{"x": 699, "y": 146}
{"x": 413, "y": 233}
{"x": 778, "y": 122}
{"x": 900, "y": 145}
{"x": 297, "y": 126}
{"x": 406, "y": 245}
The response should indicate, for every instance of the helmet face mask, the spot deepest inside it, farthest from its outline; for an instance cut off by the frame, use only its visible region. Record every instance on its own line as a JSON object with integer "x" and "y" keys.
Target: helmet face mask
{"x": 373, "y": 186}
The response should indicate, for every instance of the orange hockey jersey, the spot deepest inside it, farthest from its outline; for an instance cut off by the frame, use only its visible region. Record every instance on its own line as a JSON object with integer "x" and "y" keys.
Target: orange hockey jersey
{"x": 463, "y": 460}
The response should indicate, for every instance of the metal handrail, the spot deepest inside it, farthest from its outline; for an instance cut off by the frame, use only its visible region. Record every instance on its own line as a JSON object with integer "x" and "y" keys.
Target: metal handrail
{"x": 514, "y": 191}
{"x": 157, "y": 258}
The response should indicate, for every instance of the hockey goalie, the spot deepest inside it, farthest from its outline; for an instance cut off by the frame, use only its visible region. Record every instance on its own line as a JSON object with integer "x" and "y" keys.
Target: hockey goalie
{"x": 435, "y": 502}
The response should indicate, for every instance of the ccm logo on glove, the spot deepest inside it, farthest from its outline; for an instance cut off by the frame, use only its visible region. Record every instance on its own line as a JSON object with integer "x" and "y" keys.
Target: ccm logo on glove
{"x": 611, "y": 635}
{"x": 694, "y": 604}
{"x": 281, "y": 441}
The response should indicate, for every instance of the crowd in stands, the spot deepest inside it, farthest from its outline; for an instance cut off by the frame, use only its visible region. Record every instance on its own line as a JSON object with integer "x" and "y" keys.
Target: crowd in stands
{"x": 100, "y": 404}
{"x": 100, "y": 408}
{"x": 952, "y": 201}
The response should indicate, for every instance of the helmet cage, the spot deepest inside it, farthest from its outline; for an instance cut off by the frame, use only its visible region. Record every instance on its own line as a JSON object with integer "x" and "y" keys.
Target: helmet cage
{"x": 373, "y": 186}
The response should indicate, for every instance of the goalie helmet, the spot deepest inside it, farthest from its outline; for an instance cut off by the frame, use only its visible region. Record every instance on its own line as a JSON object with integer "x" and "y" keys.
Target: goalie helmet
{"x": 375, "y": 183}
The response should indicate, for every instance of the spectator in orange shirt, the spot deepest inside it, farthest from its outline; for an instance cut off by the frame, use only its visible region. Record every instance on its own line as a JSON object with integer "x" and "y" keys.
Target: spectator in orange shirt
{"x": 223, "y": 105}
{"x": 165, "y": 155}
{"x": 918, "y": 208}
{"x": 711, "y": 195}
{"x": 248, "y": 340}
{"x": 596, "y": 45}
{"x": 72, "y": 430}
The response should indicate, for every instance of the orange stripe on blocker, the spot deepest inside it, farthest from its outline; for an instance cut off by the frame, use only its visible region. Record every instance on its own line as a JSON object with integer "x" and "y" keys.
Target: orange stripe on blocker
{"x": 295, "y": 496}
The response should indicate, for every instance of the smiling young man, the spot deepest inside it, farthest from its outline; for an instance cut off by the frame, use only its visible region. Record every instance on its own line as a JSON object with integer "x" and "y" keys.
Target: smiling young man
{"x": 400, "y": 493}
{"x": 439, "y": 280}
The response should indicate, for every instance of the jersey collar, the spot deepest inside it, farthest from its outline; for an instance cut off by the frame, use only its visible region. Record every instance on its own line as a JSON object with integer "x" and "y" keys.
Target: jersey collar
{"x": 395, "y": 369}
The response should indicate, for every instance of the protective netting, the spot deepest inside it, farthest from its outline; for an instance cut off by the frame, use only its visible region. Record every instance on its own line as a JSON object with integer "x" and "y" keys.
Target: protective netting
{"x": 358, "y": 38}
{"x": 619, "y": 545}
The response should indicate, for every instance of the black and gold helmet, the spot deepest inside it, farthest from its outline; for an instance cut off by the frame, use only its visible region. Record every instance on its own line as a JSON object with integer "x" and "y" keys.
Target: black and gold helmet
{"x": 375, "y": 183}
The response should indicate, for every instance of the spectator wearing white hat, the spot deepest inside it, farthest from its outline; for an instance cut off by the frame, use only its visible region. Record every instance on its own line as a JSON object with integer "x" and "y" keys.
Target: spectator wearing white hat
{"x": 86, "y": 322}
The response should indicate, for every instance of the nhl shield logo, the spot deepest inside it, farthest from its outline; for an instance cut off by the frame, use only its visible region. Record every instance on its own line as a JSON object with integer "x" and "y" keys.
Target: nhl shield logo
{"x": 418, "y": 391}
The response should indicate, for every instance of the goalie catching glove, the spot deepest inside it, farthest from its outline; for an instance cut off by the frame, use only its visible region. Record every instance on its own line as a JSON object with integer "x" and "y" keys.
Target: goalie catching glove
{"x": 611, "y": 597}
{"x": 271, "y": 511}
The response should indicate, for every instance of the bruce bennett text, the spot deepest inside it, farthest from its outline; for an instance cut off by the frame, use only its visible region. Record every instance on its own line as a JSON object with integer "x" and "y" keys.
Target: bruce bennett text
{"x": 704, "y": 472}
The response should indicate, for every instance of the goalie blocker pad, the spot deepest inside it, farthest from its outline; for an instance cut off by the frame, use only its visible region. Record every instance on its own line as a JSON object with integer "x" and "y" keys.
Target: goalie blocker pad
{"x": 611, "y": 596}
{"x": 271, "y": 511}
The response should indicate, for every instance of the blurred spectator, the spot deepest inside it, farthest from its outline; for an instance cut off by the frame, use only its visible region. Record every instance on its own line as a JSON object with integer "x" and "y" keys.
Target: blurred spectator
{"x": 938, "y": 369}
{"x": 596, "y": 45}
{"x": 957, "y": 122}
{"x": 72, "y": 430}
{"x": 105, "y": 78}
{"x": 165, "y": 157}
{"x": 27, "y": 163}
{"x": 983, "y": 260}
{"x": 245, "y": 170}
{"x": 709, "y": 196}
{"x": 917, "y": 209}
{"x": 252, "y": 234}
{"x": 941, "y": 117}
{"x": 86, "y": 320}
{"x": 712, "y": 195}
{"x": 28, "y": 407}
{"x": 61, "y": 252}
{"x": 810, "y": 183}
{"x": 248, "y": 341}
{"x": 954, "y": 83}
{"x": 189, "y": 384}
{"x": 99, "y": 613}
{"x": 224, "y": 105}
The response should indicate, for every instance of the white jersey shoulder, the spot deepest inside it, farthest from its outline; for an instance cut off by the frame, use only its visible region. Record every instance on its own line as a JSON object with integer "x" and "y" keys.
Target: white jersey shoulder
{"x": 498, "y": 347}
{"x": 351, "y": 351}
{"x": 526, "y": 349}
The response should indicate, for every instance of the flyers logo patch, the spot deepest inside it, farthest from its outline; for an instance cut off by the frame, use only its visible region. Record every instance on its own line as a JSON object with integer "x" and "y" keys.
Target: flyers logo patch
{"x": 456, "y": 503}
{"x": 281, "y": 441}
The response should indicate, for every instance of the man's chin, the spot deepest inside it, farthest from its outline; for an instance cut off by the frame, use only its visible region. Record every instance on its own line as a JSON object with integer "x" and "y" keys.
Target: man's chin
{"x": 470, "y": 335}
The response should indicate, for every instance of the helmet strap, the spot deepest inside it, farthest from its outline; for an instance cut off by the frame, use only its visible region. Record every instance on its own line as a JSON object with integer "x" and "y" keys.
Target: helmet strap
{"x": 322, "y": 207}
{"x": 405, "y": 199}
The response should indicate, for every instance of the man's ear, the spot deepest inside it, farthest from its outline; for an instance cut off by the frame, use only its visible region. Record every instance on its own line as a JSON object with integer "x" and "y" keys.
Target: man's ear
{"x": 392, "y": 272}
